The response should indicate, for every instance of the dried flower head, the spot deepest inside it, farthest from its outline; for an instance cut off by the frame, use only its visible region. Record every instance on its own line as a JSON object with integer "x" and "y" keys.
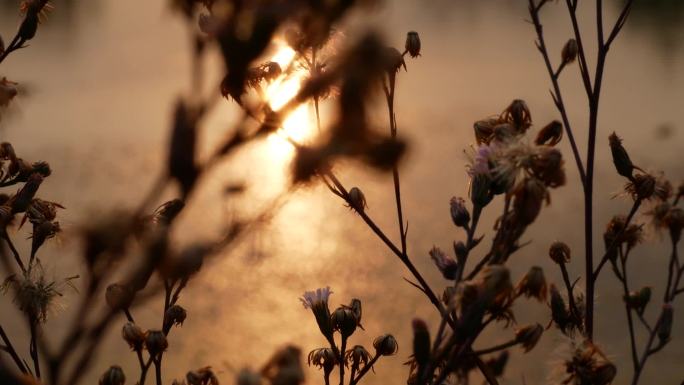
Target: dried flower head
{"x": 413, "y": 44}
{"x": 550, "y": 135}
{"x": 133, "y": 335}
{"x": 495, "y": 281}
{"x": 642, "y": 187}
{"x": 675, "y": 222}
{"x": 617, "y": 234}
{"x": 113, "y": 376}
{"x": 175, "y": 315}
{"x": 357, "y": 200}
{"x": 588, "y": 365}
{"x": 202, "y": 376}
{"x": 317, "y": 301}
{"x": 385, "y": 345}
{"x": 528, "y": 336}
{"x": 446, "y": 265}
{"x": 356, "y": 356}
{"x": 34, "y": 294}
{"x": 559, "y": 252}
{"x": 156, "y": 342}
{"x": 344, "y": 321}
{"x": 323, "y": 358}
{"x": 518, "y": 114}
{"x": 569, "y": 52}
{"x": 533, "y": 284}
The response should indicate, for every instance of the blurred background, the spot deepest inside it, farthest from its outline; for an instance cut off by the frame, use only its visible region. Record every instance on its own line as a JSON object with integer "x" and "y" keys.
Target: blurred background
{"x": 100, "y": 82}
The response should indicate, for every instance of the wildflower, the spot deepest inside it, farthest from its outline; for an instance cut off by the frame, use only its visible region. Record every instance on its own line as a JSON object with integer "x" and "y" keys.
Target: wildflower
{"x": 480, "y": 190}
{"x": 421, "y": 342}
{"x": 446, "y": 265}
{"x": 323, "y": 358}
{"x": 34, "y": 293}
{"x": 202, "y": 376}
{"x": 551, "y": 134}
{"x": 638, "y": 300}
{"x": 623, "y": 164}
{"x": 569, "y": 52}
{"x": 559, "y": 252}
{"x": 118, "y": 296}
{"x": 344, "y": 321}
{"x": 175, "y": 315}
{"x": 385, "y": 345}
{"x": 518, "y": 114}
{"x": 248, "y": 377}
{"x": 533, "y": 284}
{"x": 155, "y": 342}
{"x": 413, "y": 44}
{"x": 528, "y": 336}
{"x": 317, "y": 301}
{"x": 357, "y": 200}
{"x": 8, "y": 90}
{"x": 133, "y": 335}
{"x": 355, "y": 356}
{"x": 459, "y": 212}
{"x": 113, "y": 376}
{"x": 665, "y": 324}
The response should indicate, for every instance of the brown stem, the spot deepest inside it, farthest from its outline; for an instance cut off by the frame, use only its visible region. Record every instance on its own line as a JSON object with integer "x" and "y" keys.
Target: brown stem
{"x": 12, "y": 352}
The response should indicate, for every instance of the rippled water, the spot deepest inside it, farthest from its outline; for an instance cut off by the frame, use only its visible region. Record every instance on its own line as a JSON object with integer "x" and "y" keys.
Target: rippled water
{"x": 101, "y": 80}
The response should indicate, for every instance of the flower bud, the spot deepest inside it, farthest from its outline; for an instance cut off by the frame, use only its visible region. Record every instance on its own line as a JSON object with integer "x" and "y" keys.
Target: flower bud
{"x": 638, "y": 300}
{"x": 42, "y": 232}
{"x": 118, "y": 296}
{"x": 559, "y": 312}
{"x": 559, "y": 252}
{"x": 357, "y": 200}
{"x": 355, "y": 306}
{"x": 569, "y": 52}
{"x": 155, "y": 342}
{"x": 344, "y": 321}
{"x": 413, "y": 44}
{"x": 446, "y": 265}
{"x": 175, "y": 315}
{"x": 621, "y": 160}
{"x": 461, "y": 251}
{"x": 528, "y": 336}
{"x": 533, "y": 284}
{"x": 480, "y": 190}
{"x": 665, "y": 324}
{"x": 459, "y": 212}
{"x": 28, "y": 27}
{"x": 385, "y": 345}
{"x": 113, "y": 376}
{"x": 133, "y": 335}
{"x": 421, "y": 342}
{"x": 551, "y": 134}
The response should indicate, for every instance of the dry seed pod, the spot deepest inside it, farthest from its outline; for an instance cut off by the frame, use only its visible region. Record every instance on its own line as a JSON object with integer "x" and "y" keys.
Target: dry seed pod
{"x": 550, "y": 135}
{"x": 623, "y": 164}
{"x": 356, "y": 356}
{"x": 569, "y": 52}
{"x": 459, "y": 212}
{"x": 133, "y": 335}
{"x": 175, "y": 315}
{"x": 533, "y": 284}
{"x": 413, "y": 44}
{"x": 385, "y": 345}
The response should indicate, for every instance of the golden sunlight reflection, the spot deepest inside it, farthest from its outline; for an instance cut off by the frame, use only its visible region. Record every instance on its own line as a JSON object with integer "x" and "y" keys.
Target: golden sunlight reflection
{"x": 298, "y": 125}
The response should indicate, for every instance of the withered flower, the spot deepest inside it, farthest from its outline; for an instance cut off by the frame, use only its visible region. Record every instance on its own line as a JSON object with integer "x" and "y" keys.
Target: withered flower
{"x": 317, "y": 301}
{"x": 356, "y": 356}
{"x": 133, "y": 335}
{"x": 616, "y": 234}
{"x": 623, "y": 164}
{"x": 533, "y": 284}
{"x": 21, "y": 201}
{"x": 385, "y": 345}
{"x": 528, "y": 199}
{"x": 559, "y": 252}
{"x": 550, "y": 135}
{"x": 323, "y": 358}
{"x": 413, "y": 44}
{"x": 43, "y": 232}
{"x": 642, "y": 187}
{"x": 496, "y": 282}
{"x": 446, "y": 265}
{"x": 547, "y": 165}
{"x": 175, "y": 315}
{"x": 459, "y": 212}
{"x": 569, "y": 52}
{"x": 357, "y": 200}
{"x": 519, "y": 115}
{"x": 155, "y": 342}
{"x": 484, "y": 130}
{"x": 559, "y": 312}
{"x": 202, "y": 376}
{"x": 528, "y": 336}
{"x": 113, "y": 376}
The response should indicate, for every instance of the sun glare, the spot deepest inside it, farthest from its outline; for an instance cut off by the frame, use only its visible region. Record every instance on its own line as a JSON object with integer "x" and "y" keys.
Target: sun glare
{"x": 298, "y": 125}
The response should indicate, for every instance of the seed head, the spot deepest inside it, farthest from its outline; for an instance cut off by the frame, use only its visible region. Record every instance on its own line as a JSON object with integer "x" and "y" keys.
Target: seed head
{"x": 528, "y": 336}
{"x": 413, "y": 44}
{"x": 459, "y": 212}
{"x": 533, "y": 284}
{"x": 355, "y": 356}
{"x": 133, "y": 335}
{"x": 559, "y": 252}
{"x": 569, "y": 52}
{"x": 155, "y": 342}
{"x": 113, "y": 376}
{"x": 323, "y": 358}
{"x": 175, "y": 315}
{"x": 385, "y": 345}
{"x": 559, "y": 312}
{"x": 642, "y": 186}
{"x": 621, "y": 160}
